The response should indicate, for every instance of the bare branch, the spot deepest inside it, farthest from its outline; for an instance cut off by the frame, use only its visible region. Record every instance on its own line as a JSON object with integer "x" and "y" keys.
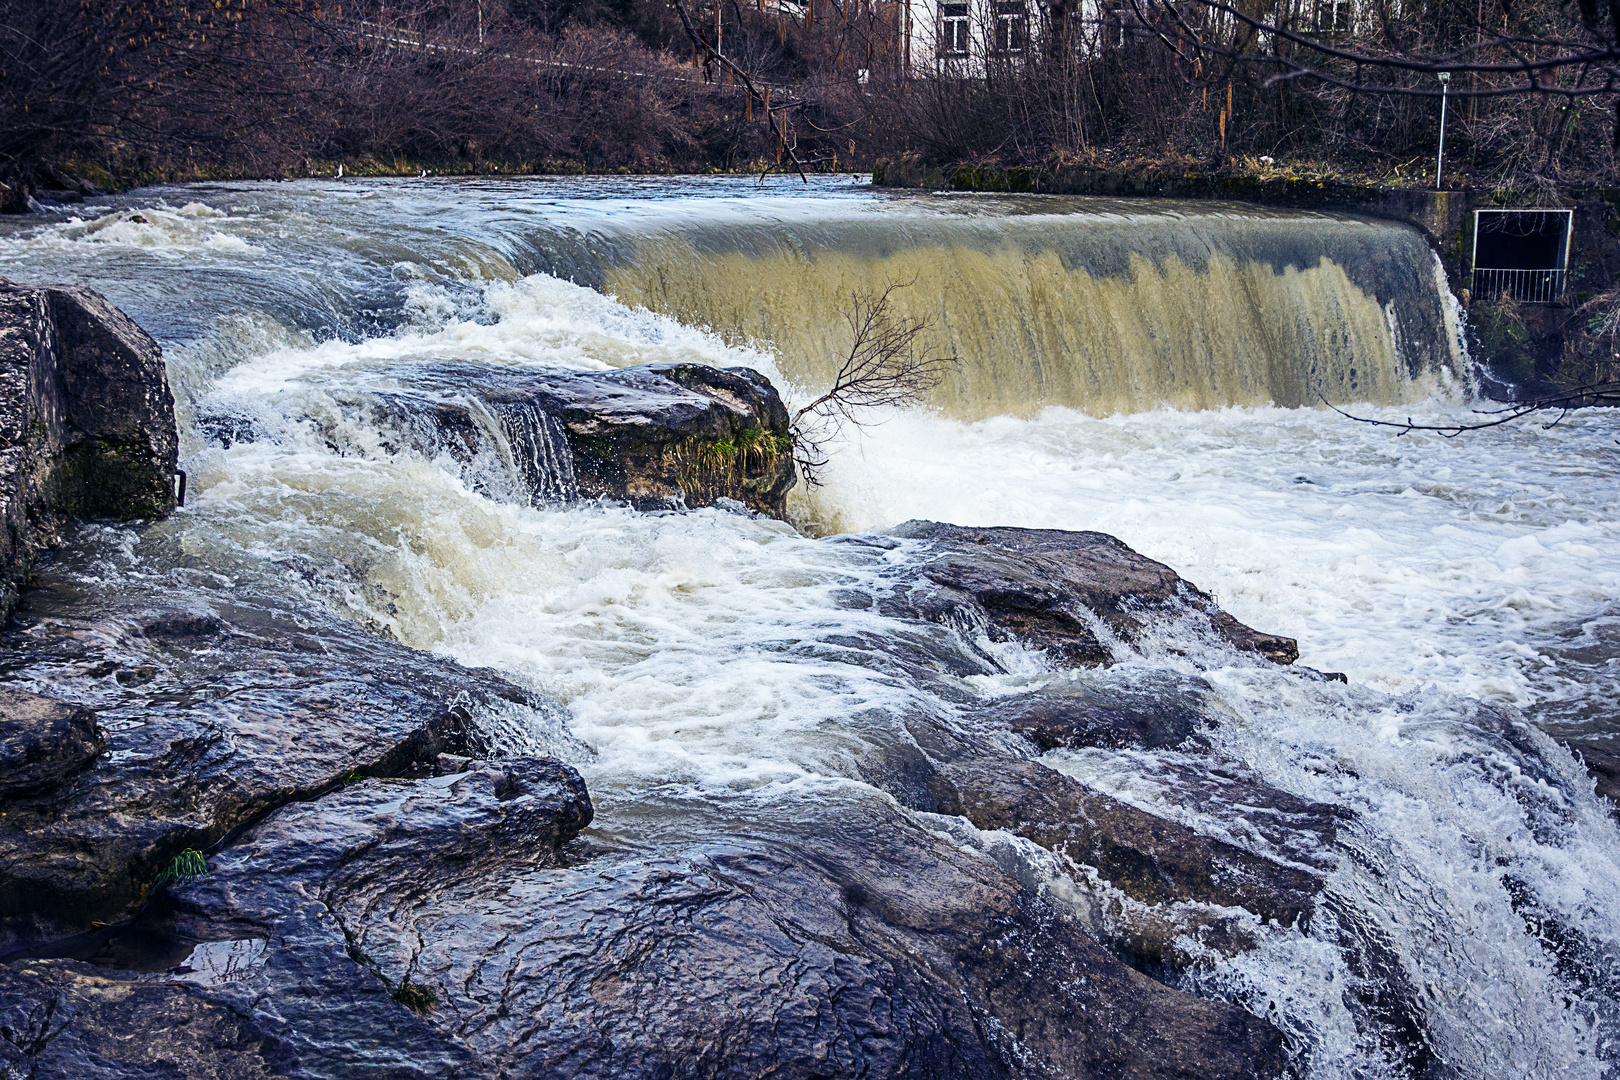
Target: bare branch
{"x": 882, "y": 367}
{"x": 1565, "y": 401}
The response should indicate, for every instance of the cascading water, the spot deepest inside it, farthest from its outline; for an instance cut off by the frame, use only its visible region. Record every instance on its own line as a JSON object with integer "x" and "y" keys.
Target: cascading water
{"x": 1470, "y": 926}
{"x": 1114, "y": 309}
{"x": 541, "y": 450}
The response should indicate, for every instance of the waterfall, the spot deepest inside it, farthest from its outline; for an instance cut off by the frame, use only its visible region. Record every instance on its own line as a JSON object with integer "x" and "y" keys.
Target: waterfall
{"x": 1105, "y": 312}
{"x": 540, "y": 453}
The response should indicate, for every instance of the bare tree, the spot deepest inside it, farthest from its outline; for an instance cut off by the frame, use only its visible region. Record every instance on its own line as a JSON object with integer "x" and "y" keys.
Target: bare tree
{"x": 884, "y": 366}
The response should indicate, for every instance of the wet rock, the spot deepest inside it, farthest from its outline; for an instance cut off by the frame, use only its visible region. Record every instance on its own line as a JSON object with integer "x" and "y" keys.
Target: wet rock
{"x": 1603, "y": 764}
{"x": 217, "y": 707}
{"x": 1171, "y": 896}
{"x": 1068, "y": 716}
{"x": 86, "y": 421}
{"x": 1162, "y": 896}
{"x": 647, "y": 434}
{"x": 1148, "y": 857}
{"x": 652, "y": 436}
{"x": 828, "y": 939}
{"x": 1076, "y": 595}
{"x": 42, "y": 742}
{"x": 65, "y": 1019}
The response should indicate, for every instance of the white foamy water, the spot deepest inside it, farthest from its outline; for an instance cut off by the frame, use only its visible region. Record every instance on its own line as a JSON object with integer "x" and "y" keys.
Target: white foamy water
{"x": 706, "y": 657}
{"x": 1404, "y": 561}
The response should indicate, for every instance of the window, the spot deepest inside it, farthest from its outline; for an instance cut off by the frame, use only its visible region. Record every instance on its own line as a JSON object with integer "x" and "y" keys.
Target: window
{"x": 953, "y": 28}
{"x": 1333, "y": 16}
{"x": 1012, "y": 26}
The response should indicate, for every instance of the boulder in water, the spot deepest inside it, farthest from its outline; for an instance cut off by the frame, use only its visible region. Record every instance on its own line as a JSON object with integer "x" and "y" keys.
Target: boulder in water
{"x": 86, "y": 421}
{"x": 1075, "y": 595}
{"x": 654, "y": 437}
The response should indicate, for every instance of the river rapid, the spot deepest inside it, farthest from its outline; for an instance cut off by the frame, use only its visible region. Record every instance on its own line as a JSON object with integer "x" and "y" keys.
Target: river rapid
{"x": 1461, "y": 584}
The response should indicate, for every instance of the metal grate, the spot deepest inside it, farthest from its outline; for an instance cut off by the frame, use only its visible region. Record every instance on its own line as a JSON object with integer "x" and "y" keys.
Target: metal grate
{"x": 1525, "y": 286}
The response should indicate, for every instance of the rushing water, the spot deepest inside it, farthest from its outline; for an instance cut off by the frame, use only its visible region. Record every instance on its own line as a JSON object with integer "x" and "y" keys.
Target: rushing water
{"x": 1459, "y": 583}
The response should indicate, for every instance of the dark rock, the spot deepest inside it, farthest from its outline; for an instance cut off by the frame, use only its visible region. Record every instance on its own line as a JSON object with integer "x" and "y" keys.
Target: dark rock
{"x": 86, "y": 421}
{"x": 650, "y": 436}
{"x": 647, "y": 434}
{"x": 1258, "y": 855}
{"x": 1150, "y": 858}
{"x": 1604, "y": 766}
{"x": 1073, "y": 594}
{"x": 1067, "y": 716}
{"x": 60, "y": 1019}
{"x": 60, "y": 195}
{"x": 832, "y": 940}
{"x": 42, "y": 742}
{"x": 15, "y": 196}
{"x": 217, "y": 707}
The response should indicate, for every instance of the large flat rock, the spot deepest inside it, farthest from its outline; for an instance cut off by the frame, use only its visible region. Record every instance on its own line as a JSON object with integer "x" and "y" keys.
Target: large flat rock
{"x": 214, "y": 707}
{"x": 655, "y": 436}
{"x": 840, "y": 939}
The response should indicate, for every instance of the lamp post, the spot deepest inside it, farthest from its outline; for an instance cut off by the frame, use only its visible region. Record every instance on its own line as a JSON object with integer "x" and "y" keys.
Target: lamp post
{"x": 1440, "y": 159}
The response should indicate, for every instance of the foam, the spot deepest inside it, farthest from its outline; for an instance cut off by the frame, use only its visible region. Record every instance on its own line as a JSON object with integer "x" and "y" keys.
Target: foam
{"x": 704, "y": 655}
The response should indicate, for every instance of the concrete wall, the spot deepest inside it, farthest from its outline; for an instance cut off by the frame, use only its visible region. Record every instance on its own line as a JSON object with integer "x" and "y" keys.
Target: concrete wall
{"x": 1446, "y": 218}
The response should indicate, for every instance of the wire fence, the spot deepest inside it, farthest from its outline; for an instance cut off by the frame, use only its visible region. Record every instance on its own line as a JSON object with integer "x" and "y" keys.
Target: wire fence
{"x": 1525, "y": 286}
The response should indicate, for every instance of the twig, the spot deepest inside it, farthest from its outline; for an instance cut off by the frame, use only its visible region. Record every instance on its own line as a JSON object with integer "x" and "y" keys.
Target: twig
{"x": 881, "y": 368}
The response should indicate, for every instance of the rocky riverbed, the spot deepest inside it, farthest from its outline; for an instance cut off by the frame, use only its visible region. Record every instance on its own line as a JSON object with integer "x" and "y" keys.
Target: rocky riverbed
{"x": 246, "y": 830}
{"x": 242, "y": 839}
{"x": 385, "y": 894}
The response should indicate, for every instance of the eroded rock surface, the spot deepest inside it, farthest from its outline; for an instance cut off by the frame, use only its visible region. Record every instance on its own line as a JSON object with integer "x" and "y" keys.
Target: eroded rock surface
{"x": 848, "y": 941}
{"x": 1074, "y": 594}
{"x": 214, "y": 710}
{"x": 42, "y": 742}
{"x": 86, "y": 421}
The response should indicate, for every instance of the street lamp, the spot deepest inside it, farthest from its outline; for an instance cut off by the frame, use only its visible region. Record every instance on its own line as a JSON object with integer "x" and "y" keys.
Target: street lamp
{"x": 1440, "y": 159}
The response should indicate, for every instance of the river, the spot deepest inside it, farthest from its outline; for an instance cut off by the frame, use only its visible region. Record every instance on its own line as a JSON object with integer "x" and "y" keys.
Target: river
{"x": 1149, "y": 370}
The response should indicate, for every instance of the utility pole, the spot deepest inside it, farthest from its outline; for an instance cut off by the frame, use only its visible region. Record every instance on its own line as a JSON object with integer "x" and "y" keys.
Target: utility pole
{"x": 1440, "y": 159}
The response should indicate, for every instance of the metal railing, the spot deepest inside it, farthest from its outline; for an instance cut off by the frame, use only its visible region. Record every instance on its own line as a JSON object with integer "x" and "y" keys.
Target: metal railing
{"x": 1525, "y": 286}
